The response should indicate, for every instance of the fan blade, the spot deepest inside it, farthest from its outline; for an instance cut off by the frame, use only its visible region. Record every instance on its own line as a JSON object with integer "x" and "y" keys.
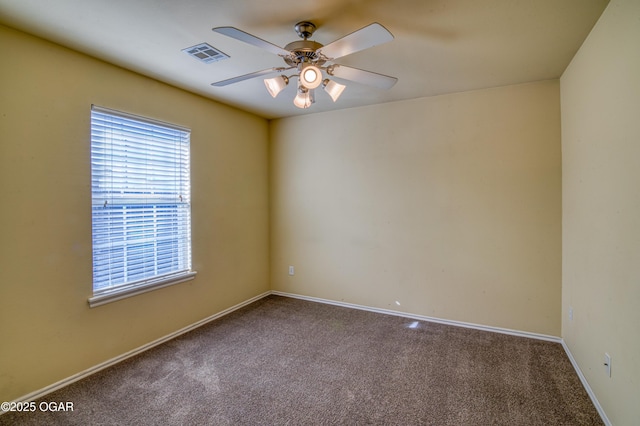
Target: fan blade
{"x": 364, "y": 38}
{"x": 248, "y": 76}
{"x": 361, "y": 76}
{"x": 251, "y": 39}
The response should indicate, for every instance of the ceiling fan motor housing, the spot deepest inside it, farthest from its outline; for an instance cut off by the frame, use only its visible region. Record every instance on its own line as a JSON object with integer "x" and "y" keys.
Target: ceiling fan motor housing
{"x": 303, "y": 51}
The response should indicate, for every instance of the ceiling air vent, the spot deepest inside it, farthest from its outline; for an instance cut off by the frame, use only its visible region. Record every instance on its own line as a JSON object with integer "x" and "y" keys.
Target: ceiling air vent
{"x": 205, "y": 53}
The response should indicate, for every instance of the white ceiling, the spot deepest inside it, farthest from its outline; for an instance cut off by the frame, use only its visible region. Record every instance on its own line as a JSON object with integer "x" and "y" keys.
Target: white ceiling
{"x": 440, "y": 46}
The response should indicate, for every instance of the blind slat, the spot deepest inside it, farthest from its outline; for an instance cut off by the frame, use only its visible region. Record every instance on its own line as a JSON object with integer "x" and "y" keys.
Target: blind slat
{"x": 141, "y": 215}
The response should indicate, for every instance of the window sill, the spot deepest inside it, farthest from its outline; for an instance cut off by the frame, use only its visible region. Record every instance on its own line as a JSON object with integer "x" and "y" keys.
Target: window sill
{"x": 112, "y": 295}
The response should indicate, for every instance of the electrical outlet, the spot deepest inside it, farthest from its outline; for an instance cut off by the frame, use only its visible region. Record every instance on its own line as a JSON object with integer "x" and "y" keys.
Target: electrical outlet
{"x": 570, "y": 313}
{"x": 291, "y": 270}
{"x": 607, "y": 364}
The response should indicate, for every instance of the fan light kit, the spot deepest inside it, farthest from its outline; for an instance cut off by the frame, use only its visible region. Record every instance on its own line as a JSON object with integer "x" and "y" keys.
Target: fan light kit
{"x": 310, "y": 59}
{"x": 310, "y": 76}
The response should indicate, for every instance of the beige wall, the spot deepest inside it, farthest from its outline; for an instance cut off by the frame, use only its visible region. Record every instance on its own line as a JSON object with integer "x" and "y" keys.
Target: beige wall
{"x": 600, "y": 93}
{"x": 449, "y": 206}
{"x": 47, "y": 330}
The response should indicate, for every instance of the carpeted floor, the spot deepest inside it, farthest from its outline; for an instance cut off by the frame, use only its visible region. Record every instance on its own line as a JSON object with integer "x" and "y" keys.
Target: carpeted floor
{"x": 287, "y": 361}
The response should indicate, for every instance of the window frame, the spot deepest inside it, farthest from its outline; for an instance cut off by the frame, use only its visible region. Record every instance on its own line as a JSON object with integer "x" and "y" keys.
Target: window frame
{"x": 111, "y": 293}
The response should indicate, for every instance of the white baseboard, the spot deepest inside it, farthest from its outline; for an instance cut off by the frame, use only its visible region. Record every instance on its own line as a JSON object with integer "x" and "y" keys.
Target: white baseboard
{"x": 83, "y": 374}
{"x": 538, "y": 336}
{"x": 586, "y": 386}
{"x": 424, "y": 318}
{"x": 88, "y": 372}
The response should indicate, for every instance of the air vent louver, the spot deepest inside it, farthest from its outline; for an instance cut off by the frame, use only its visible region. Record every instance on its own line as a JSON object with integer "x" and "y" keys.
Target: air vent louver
{"x": 205, "y": 53}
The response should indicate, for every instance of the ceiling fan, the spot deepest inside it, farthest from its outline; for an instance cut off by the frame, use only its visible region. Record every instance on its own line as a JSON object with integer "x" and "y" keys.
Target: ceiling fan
{"x": 310, "y": 59}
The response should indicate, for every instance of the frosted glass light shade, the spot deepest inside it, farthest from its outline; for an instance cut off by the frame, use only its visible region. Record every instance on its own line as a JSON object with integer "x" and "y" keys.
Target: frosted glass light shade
{"x": 333, "y": 89}
{"x": 276, "y": 84}
{"x": 304, "y": 99}
{"x": 310, "y": 76}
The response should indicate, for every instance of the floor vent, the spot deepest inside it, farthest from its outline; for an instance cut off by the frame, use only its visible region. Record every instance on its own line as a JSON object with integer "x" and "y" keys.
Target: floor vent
{"x": 205, "y": 53}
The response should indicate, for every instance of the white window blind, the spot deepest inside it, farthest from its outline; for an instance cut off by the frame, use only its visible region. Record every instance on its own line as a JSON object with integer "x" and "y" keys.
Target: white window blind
{"x": 141, "y": 210}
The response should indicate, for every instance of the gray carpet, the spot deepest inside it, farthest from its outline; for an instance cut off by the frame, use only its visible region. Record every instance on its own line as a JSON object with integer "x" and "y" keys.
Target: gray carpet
{"x": 286, "y": 361}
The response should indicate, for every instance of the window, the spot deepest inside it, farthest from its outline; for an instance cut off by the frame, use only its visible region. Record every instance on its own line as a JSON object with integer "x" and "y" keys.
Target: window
{"x": 141, "y": 209}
